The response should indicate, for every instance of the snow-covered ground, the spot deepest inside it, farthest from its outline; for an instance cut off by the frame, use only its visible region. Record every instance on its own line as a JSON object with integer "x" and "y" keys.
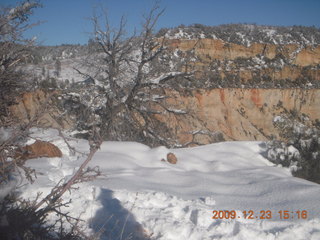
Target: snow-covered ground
{"x": 139, "y": 194}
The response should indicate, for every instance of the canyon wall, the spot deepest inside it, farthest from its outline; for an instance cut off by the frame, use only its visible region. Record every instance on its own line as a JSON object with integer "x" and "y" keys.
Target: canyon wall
{"x": 195, "y": 117}
{"x": 203, "y": 116}
{"x": 260, "y": 61}
{"x": 209, "y": 49}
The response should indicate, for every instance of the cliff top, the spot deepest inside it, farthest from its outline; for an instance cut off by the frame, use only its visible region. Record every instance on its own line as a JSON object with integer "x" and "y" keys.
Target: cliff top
{"x": 246, "y": 34}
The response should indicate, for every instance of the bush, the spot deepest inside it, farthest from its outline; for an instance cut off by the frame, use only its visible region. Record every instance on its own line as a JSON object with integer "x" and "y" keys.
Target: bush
{"x": 20, "y": 221}
{"x": 299, "y": 147}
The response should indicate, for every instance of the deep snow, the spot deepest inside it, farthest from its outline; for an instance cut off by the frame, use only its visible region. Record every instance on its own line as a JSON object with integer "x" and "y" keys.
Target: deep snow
{"x": 139, "y": 195}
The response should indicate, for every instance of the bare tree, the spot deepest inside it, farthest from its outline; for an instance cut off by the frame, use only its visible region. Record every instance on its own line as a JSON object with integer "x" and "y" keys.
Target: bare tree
{"x": 13, "y": 49}
{"x": 129, "y": 70}
{"x": 23, "y": 219}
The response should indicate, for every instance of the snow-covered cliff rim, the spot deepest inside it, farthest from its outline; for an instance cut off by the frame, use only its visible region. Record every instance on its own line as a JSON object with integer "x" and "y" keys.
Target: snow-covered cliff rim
{"x": 246, "y": 34}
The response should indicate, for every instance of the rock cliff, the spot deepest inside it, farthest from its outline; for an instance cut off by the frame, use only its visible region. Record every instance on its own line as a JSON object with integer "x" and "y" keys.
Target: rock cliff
{"x": 242, "y": 76}
{"x": 208, "y": 49}
{"x": 40, "y": 106}
{"x": 261, "y": 63}
{"x": 201, "y": 116}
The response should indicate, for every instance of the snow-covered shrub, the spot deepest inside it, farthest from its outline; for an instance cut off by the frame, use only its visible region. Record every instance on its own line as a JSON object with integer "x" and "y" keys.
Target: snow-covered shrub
{"x": 299, "y": 147}
{"x": 284, "y": 154}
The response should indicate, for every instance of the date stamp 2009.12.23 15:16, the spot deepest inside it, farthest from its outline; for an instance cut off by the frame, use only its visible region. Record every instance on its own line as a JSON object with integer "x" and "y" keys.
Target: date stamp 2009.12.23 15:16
{"x": 262, "y": 214}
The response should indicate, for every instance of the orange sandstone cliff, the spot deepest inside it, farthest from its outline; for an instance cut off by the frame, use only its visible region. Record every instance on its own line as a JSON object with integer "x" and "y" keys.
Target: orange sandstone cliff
{"x": 239, "y": 114}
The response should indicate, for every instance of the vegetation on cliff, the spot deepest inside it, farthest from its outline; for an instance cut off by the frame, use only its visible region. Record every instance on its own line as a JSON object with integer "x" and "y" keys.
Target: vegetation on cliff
{"x": 247, "y": 34}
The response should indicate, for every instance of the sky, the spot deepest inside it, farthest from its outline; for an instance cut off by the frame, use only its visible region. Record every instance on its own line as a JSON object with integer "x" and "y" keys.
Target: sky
{"x": 67, "y": 21}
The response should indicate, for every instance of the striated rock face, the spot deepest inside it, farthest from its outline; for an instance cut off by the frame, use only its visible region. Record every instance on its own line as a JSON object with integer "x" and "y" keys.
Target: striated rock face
{"x": 205, "y": 116}
{"x": 201, "y": 116}
{"x": 266, "y": 62}
{"x": 209, "y": 49}
{"x": 276, "y": 78}
{"x": 308, "y": 56}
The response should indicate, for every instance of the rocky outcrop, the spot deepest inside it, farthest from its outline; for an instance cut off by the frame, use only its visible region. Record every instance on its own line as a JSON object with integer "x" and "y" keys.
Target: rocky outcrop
{"x": 202, "y": 116}
{"x": 208, "y": 49}
{"x": 40, "y": 149}
{"x": 259, "y": 62}
{"x": 40, "y": 107}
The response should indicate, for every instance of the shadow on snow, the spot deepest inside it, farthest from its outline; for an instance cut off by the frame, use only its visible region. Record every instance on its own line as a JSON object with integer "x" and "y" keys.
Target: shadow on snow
{"x": 115, "y": 222}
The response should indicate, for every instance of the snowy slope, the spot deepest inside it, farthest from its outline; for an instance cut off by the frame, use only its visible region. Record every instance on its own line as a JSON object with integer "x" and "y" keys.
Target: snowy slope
{"x": 67, "y": 71}
{"x": 141, "y": 195}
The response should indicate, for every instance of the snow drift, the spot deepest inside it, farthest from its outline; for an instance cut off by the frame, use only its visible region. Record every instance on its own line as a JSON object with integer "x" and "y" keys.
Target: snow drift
{"x": 142, "y": 197}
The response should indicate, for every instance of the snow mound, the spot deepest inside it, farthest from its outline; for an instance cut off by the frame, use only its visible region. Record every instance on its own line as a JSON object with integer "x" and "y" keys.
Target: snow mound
{"x": 140, "y": 196}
